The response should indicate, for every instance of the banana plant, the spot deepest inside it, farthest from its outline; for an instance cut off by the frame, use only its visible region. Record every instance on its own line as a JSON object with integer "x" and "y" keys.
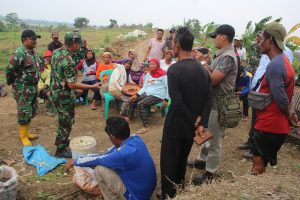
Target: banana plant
{"x": 292, "y": 38}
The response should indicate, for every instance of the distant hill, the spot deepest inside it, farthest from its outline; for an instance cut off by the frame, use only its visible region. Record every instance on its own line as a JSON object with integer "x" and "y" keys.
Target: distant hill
{"x": 40, "y": 22}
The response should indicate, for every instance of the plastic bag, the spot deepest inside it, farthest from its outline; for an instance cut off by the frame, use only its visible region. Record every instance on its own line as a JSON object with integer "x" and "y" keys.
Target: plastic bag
{"x": 85, "y": 179}
{"x": 8, "y": 183}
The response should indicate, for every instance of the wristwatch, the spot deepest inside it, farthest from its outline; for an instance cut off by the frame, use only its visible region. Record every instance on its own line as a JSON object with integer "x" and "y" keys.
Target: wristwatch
{"x": 203, "y": 62}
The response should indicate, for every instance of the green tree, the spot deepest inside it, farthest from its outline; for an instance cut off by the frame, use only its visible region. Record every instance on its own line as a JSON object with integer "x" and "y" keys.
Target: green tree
{"x": 2, "y": 26}
{"x": 251, "y": 31}
{"x": 23, "y": 25}
{"x": 81, "y": 22}
{"x": 12, "y": 20}
{"x": 113, "y": 23}
{"x": 194, "y": 26}
{"x": 148, "y": 27}
{"x": 295, "y": 40}
{"x": 205, "y": 30}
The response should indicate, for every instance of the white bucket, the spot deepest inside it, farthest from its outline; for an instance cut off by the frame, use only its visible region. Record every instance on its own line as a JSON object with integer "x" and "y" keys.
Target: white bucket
{"x": 82, "y": 145}
{"x": 8, "y": 183}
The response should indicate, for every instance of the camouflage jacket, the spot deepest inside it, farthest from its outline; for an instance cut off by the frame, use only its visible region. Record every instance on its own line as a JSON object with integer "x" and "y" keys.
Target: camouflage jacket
{"x": 23, "y": 67}
{"x": 63, "y": 70}
{"x": 254, "y": 55}
{"x": 78, "y": 55}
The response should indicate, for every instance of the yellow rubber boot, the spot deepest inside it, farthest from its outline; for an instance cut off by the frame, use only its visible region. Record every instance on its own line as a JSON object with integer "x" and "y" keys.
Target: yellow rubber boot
{"x": 24, "y": 135}
{"x": 31, "y": 135}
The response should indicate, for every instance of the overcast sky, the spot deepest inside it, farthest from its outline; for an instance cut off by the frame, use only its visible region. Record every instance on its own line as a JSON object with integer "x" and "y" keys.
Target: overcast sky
{"x": 163, "y": 13}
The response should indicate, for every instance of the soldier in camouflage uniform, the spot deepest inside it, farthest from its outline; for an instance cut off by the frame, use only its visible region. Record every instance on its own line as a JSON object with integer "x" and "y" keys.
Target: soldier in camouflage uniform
{"x": 22, "y": 72}
{"x": 255, "y": 54}
{"x": 79, "y": 54}
{"x": 63, "y": 90}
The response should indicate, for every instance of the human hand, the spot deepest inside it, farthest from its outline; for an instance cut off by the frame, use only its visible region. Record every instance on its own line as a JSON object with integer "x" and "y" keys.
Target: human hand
{"x": 133, "y": 98}
{"x": 293, "y": 120}
{"x": 199, "y": 130}
{"x": 198, "y": 55}
{"x": 97, "y": 86}
{"x": 238, "y": 93}
{"x": 196, "y": 124}
{"x": 69, "y": 165}
{"x": 165, "y": 103}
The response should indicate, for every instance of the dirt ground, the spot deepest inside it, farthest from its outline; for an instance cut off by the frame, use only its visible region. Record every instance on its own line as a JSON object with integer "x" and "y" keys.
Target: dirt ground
{"x": 281, "y": 182}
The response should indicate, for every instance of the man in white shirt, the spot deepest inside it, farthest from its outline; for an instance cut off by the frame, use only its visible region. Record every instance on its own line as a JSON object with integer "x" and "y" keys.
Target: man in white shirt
{"x": 240, "y": 49}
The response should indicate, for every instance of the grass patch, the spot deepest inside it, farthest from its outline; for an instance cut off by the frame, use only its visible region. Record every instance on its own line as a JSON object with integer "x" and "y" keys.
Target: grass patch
{"x": 46, "y": 195}
{"x": 96, "y": 39}
{"x": 52, "y": 176}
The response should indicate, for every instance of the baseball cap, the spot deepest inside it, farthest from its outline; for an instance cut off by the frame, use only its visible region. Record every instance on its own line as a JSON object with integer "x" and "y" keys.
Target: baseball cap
{"x": 48, "y": 53}
{"x": 73, "y": 37}
{"x": 238, "y": 37}
{"x": 55, "y": 34}
{"x": 278, "y": 32}
{"x": 223, "y": 29}
{"x": 30, "y": 34}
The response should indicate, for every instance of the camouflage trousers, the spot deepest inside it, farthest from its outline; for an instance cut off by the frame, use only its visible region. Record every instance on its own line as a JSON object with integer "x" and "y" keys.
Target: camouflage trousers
{"x": 26, "y": 99}
{"x": 66, "y": 113}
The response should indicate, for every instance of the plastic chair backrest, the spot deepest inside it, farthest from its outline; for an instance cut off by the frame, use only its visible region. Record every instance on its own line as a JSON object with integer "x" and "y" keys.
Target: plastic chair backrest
{"x": 103, "y": 73}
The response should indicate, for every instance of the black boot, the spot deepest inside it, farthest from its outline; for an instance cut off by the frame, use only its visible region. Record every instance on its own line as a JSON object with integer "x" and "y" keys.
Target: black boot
{"x": 199, "y": 164}
{"x": 63, "y": 153}
{"x": 207, "y": 177}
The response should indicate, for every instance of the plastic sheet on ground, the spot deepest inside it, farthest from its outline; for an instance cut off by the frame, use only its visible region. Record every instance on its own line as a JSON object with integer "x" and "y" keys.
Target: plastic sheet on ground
{"x": 39, "y": 157}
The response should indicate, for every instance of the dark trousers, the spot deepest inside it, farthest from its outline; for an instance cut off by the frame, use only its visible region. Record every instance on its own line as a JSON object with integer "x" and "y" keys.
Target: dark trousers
{"x": 173, "y": 158}
{"x": 142, "y": 103}
{"x": 96, "y": 91}
{"x": 267, "y": 145}
{"x": 244, "y": 98}
{"x": 253, "y": 118}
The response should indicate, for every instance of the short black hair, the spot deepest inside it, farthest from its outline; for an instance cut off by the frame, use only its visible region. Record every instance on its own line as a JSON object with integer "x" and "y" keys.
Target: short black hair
{"x": 230, "y": 40}
{"x": 268, "y": 36}
{"x": 161, "y": 30}
{"x": 185, "y": 38}
{"x": 117, "y": 127}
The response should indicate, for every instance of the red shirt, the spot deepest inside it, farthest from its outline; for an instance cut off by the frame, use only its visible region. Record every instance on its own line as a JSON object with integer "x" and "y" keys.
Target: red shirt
{"x": 281, "y": 80}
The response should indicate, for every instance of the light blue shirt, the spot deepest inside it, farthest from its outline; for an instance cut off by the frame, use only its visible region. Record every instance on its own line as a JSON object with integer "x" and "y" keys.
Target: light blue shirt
{"x": 263, "y": 63}
{"x": 157, "y": 87}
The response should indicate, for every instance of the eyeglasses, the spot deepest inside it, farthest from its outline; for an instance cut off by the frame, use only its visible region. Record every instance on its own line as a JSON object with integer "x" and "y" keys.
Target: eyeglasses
{"x": 33, "y": 38}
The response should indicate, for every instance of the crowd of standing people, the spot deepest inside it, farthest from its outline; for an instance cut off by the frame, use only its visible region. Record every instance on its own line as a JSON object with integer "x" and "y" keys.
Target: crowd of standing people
{"x": 201, "y": 91}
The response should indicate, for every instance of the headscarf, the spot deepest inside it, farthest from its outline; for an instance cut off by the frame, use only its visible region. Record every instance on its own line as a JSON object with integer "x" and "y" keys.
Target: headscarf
{"x": 158, "y": 72}
{"x": 91, "y": 61}
{"x": 107, "y": 54}
{"x": 136, "y": 66}
{"x": 127, "y": 70}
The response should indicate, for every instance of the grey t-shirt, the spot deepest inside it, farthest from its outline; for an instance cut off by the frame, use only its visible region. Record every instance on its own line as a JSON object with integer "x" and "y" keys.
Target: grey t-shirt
{"x": 225, "y": 62}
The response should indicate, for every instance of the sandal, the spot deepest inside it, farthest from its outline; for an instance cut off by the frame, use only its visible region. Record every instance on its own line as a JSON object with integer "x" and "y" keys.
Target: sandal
{"x": 142, "y": 130}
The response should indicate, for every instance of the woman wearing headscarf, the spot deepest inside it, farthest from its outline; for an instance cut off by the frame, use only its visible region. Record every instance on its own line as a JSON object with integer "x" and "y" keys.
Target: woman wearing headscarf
{"x": 106, "y": 64}
{"x": 89, "y": 66}
{"x": 119, "y": 78}
{"x": 155, "y": 90}
{"x": 136, "y": 69}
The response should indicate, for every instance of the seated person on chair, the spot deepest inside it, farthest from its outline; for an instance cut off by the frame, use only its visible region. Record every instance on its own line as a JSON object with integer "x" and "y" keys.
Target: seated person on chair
{"x": 154, "y": 91}
{"x": 44, "y": 84}
{"x": 127, "y": 170}
{"x": 119, "y": 78}
{"x": 105, "y": 65}
{"x": 89, "y": 67}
